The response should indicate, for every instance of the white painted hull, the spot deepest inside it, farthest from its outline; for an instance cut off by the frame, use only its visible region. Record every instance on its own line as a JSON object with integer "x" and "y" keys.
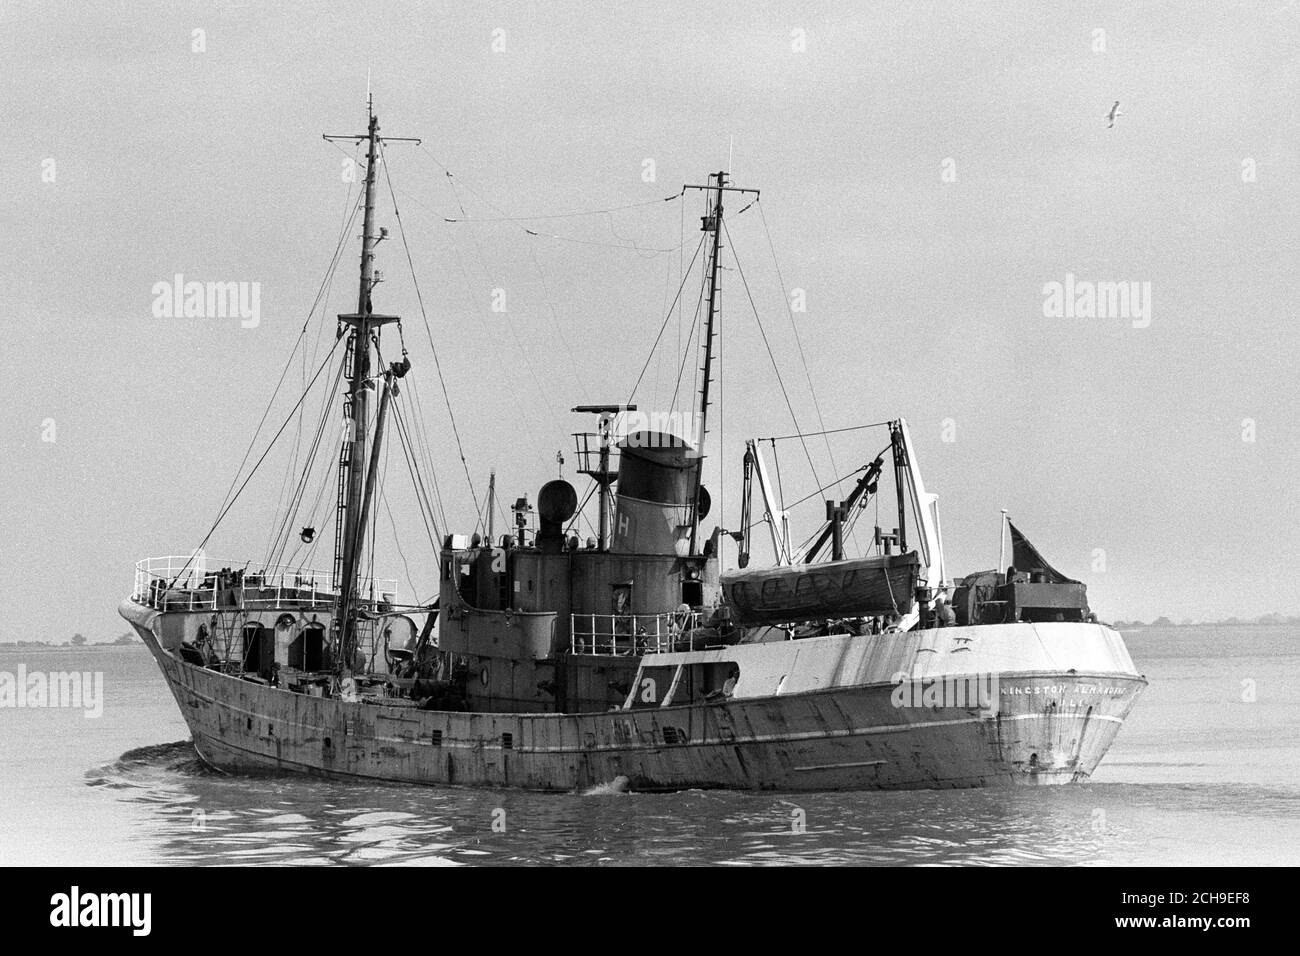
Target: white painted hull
{"x": 829, "y": 721}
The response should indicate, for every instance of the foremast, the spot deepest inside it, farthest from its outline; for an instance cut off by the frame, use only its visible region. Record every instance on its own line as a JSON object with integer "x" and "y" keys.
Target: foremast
{"x": 356, "y": 479}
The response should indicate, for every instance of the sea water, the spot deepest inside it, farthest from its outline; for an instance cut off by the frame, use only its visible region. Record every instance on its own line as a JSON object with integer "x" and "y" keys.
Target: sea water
{"x": 1205, "y": 771}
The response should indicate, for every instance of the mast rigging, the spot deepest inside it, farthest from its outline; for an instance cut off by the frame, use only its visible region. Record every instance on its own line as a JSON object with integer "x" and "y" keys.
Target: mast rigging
{"x": 356, "y": 481}
{"x": 710, "y": 224}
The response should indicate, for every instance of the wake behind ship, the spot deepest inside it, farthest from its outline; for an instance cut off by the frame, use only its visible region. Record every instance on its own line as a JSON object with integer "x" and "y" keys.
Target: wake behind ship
{"x": 549, "y": 662}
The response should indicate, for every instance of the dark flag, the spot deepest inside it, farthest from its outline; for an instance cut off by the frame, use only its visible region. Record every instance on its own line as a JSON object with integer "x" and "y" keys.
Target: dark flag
{"x": 1025, "y": 557}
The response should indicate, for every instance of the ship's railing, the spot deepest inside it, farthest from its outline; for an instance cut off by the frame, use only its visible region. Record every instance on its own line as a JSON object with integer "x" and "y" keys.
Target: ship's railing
{"x": 587, "y": 451}
{"x": 183, "y": 582}
{"x": 629, "y": 634}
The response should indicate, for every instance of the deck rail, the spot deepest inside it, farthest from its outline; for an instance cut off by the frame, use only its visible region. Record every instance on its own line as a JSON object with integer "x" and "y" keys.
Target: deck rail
{"x": 629, "y": 634}
{"x": 186, "y": 582}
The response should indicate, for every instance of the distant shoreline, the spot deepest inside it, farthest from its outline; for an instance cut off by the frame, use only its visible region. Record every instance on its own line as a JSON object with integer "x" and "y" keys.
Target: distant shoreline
{"x": 42, "y": 646}
{"x": 1231, "y": 622}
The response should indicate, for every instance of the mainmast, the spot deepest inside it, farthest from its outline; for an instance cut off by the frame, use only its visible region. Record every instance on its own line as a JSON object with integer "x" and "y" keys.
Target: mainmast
{"x": 356, "y": 482}
{"x": 710, "y": 222}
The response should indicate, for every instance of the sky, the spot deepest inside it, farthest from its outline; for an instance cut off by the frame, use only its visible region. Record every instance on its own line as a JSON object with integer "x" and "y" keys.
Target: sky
{"x": 927, "y": 172}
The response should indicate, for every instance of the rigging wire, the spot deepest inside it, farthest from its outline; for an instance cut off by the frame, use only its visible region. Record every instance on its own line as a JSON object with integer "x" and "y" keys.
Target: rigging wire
{"x": 809, "y": 497}
{"x": 281, "y": 539}
{"x": 667, "y": 309}
{"x": 382, "y": 480}
{"x": 345, "y": 226}
{"x": 555, "y": 319}
{"x": 803, "y": 358}
{"x": 420, "y": 445}
{"x": 780, "y": 484}
{"x": 516, "y": 220}
{"x": 768, "y": 345}
{"x": 833, "y": 431}
{"x": 579, "y": 513}
{"x": 689, "y": 350}
{"x": 328, "y": 474}
{"x": 226, "y": 508}
{"x": 482, "y": 264}
{"x": 383, "y": 497}
{"x": 401, "y": 228}
{"x": 279, "y": 383}
{"x": 321, "y": 296}
{"x": 423, "y": 445}
{"x": 427, "y": 515}
{"x": 569, "y": 215}
{"x": 410, "y": 451}
{"x": 681, "y": 271}
{"x": 664, "y": 325}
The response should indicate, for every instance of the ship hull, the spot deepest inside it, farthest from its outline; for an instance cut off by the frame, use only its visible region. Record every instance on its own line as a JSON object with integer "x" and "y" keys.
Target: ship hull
{"x": 1046, "y": 727}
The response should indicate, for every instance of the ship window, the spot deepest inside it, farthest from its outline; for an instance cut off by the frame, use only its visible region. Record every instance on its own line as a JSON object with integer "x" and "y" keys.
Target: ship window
{"x": 468, "y": 584}
{"x": 307, "y": 650}
{"x": 622, "y": 600}
{"x": 715, "y": 681}
{"x": 693, "y": 593}
{"x": 259, "y": 649}
{"x": 436, "y": 738}
{"x": 507, "y": 742}
{"x": 314, "y": 648}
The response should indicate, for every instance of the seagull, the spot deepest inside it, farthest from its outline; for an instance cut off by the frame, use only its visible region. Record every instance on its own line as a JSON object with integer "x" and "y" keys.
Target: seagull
{"x": 1114, "y": 112}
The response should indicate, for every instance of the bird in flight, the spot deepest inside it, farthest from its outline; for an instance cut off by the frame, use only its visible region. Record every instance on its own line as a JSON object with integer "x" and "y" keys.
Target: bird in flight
{"x": 1110, "y": 117}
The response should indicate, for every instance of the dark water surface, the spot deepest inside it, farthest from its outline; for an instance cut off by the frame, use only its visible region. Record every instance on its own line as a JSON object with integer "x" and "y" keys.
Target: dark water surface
{"x": 1200, "y": 774}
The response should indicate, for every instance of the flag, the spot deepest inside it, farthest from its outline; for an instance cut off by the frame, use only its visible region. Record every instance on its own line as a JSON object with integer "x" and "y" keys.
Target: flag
{"x": 1025, "y": 557}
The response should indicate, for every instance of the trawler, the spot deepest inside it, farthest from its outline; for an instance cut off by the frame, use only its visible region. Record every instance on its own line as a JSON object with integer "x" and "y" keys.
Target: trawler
{"x": 553, "y": 663}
